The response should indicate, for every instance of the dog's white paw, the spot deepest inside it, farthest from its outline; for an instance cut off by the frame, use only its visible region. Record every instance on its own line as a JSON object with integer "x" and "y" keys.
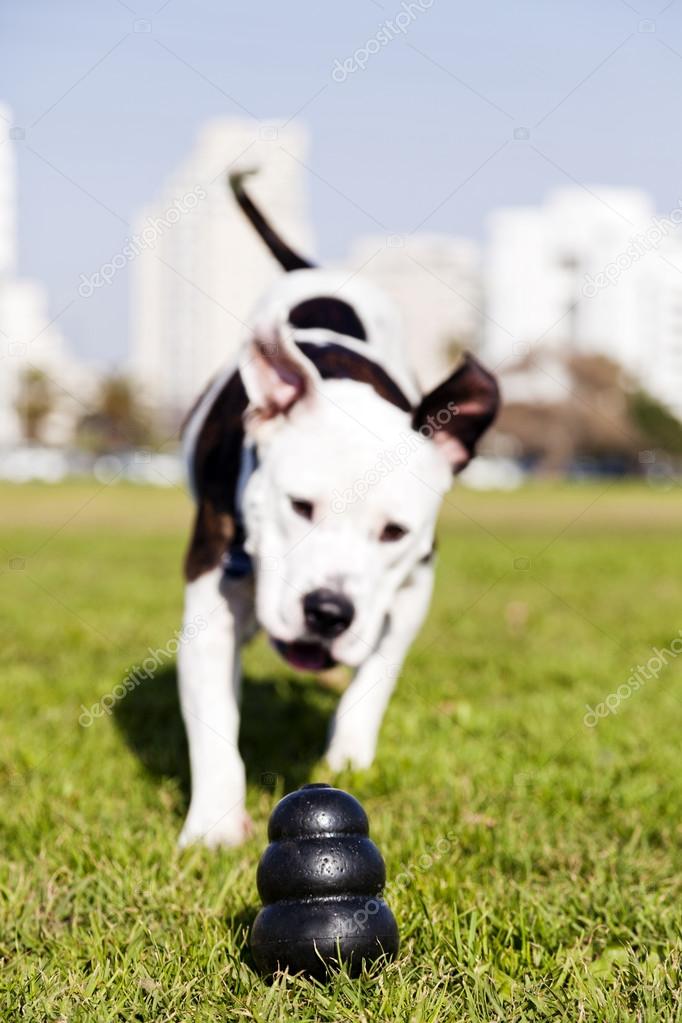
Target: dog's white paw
{"x": 215, "y": 831}
{"x": 350, "y": 751}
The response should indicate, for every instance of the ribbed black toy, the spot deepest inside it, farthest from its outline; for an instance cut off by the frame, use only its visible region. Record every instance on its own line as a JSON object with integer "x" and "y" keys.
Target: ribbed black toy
{"x": 321, "y": 880}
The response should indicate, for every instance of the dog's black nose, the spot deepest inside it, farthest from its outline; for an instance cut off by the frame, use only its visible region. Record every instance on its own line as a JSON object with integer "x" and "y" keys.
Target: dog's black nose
{"x": 326, "y": 613}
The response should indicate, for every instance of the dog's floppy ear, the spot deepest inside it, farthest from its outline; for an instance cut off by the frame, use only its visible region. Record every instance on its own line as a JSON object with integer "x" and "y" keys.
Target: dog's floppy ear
{"x": 276, "y": 374}
{"x": 457, "y": 412}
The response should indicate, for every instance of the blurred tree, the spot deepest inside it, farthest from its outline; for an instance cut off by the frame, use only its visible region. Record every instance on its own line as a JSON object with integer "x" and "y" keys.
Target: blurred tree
{"x": 660, "y": 427}
{"x": 599, "y": 400}
{"x": 34, "y": 403}
{"x": 119, "y": 420}
{"x": 593, "y": 422}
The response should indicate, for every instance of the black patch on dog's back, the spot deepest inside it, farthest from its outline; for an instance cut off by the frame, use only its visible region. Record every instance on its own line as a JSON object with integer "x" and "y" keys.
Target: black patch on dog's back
{"x": 335, "y": 362}
{"x": 328, "y": 313}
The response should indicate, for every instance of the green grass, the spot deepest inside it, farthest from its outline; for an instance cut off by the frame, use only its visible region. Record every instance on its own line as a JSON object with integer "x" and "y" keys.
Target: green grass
{"x": 539, "y": 859}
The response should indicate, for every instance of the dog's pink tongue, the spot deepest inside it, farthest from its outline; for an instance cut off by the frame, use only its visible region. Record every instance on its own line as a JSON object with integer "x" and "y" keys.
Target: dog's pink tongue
{"x": 308, "y": 656}
{"x": 304, "y": 655}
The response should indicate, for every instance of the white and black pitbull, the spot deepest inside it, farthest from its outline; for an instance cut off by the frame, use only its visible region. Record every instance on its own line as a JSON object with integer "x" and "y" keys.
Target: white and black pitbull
{"x": 318, "y": 470}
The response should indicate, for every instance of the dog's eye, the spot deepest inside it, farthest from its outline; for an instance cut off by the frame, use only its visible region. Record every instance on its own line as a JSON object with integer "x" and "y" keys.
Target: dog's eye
{"x": 391, "y": 532}
{"x": 303, "y": 508}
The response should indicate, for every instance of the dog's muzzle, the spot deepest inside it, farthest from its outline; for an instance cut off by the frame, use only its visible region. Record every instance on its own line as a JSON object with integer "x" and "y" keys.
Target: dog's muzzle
{"x": 326, "y": 615}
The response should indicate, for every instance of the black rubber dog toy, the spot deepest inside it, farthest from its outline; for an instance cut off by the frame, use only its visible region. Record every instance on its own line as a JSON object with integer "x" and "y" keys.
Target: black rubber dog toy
{"x": 321, "y": 880}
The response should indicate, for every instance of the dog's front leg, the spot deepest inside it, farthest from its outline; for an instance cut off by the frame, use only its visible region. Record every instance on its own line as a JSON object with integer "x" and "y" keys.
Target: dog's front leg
{"x": 209, "y": 678}
{"x": 355, "y": 727}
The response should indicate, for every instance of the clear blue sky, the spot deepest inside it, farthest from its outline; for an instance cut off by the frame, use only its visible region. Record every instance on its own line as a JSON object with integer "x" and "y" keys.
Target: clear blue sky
{"x": 433, "y": 114}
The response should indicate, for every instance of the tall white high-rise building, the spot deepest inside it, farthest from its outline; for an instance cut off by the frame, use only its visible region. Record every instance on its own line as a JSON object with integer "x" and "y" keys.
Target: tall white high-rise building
{"x": 435, "y": 281}
{"x": 29, "y": 340}
{"x": 201, "y": 267}
{"x": 588, "y": 271}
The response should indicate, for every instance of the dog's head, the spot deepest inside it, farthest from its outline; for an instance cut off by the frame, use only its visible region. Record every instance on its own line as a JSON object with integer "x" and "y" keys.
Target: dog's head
{"x": 343, "y": 504}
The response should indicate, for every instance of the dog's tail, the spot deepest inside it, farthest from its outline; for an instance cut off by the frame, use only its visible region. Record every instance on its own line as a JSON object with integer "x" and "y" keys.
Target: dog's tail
{"x": 285, "y": 256}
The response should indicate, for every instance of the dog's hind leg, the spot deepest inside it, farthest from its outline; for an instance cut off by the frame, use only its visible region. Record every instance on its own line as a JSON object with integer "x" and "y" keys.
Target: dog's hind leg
{"x": 355, "y": 727}
{"x": 217, "y": 614}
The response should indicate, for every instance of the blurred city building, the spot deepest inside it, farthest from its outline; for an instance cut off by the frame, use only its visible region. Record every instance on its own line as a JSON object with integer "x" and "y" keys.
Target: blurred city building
{"x": 587, "y": 272}
{"x": 201, "y": 267}
{"x": 435, "y": 280}
{"x": 31, "y": 344}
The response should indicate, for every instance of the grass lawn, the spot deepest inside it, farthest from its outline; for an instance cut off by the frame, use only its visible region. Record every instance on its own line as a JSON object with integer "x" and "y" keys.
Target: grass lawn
{"x": 539, "y": 859}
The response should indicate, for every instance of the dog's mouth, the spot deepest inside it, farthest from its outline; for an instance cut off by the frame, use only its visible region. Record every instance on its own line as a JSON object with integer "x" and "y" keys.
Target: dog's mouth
{"x": 304, "y": 655}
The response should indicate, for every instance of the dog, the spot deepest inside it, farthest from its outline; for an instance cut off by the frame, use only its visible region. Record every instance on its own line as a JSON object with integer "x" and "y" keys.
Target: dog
{"x": 318, "y": 470}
